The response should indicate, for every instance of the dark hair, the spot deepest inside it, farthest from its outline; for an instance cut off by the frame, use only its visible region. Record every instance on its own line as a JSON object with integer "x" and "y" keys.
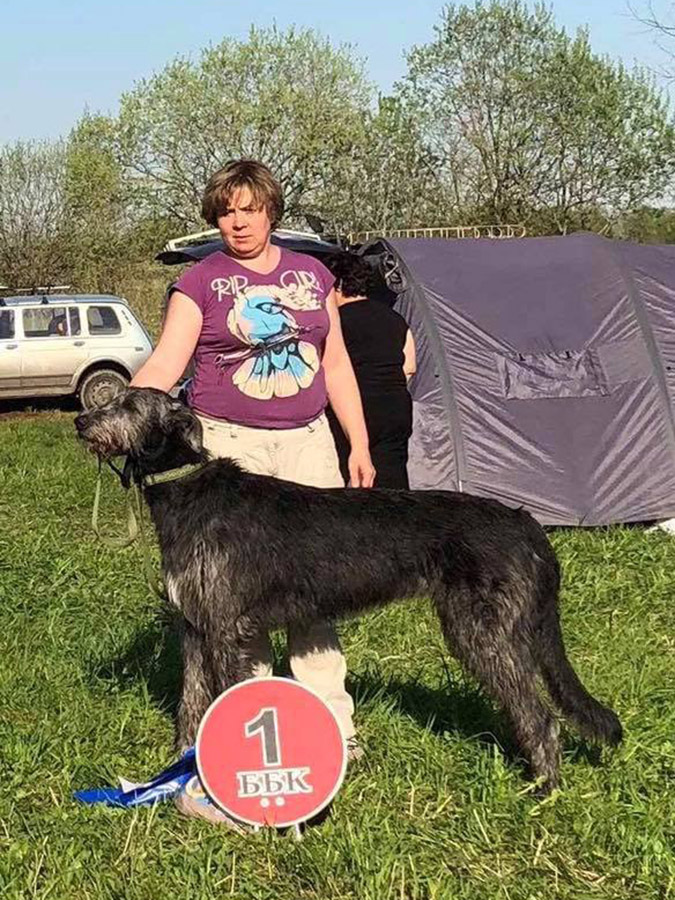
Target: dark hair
{"x": 353, "y": 276}
{"x": 265, "y": 190}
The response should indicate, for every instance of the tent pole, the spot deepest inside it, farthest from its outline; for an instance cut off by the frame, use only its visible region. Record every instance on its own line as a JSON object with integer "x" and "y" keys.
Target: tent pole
{"x": 447, "y": 387}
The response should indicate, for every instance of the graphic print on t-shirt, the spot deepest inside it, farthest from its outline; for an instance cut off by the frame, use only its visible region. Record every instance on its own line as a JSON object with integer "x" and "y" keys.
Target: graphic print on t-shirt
{"x": 276, "y": 362}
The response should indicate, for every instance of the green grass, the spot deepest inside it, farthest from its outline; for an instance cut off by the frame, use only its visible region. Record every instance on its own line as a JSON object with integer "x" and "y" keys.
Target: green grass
{"x": 88, "y": 681}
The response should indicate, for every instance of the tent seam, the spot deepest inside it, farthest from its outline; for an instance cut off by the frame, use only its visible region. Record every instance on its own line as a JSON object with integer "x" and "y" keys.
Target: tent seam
{"x": 649, "y": 339}
{"x": 447, "y": 382}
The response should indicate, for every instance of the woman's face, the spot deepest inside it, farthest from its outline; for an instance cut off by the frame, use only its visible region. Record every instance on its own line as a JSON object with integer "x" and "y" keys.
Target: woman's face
{"x": 244, "y": 226}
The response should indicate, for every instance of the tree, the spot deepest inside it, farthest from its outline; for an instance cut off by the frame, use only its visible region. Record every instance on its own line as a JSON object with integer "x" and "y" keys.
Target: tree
{"x": 648, "y": 225}
{"x": 33, "y": 224}
{"x": 390, "y": 179}
{"x": 662, "y": 23}
{"x": 107, "y": 232}
{"x": 529, "y": 125}
{"x": 288, "y": 98}
{"x": 611, "y": 140}
{"x": 96, "y": 201}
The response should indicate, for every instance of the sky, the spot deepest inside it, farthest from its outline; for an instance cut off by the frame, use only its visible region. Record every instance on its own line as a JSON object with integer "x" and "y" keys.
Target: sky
{"x": 60, "y": 57}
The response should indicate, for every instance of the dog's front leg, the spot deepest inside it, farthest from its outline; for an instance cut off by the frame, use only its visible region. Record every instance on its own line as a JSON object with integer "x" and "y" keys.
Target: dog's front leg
{"x": 199, "y": 689}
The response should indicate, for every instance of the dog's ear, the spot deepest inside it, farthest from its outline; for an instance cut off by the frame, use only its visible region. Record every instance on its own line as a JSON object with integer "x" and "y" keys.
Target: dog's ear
{"x": 186, "y": 426}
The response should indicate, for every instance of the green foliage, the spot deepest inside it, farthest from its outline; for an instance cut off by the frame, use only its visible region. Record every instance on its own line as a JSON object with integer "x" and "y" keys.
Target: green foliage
{"x": 108, "y": 233}
{"x": 33, "y": 221}
{"x": 64, "y": 215}
{"x": 530, "y": 125}
{"x": 390, "y": 180}
{"x": 649, "y": 225}
{"x": 94, "y": 187}
{"x": 95, "y": 201}
{"x": 503, "y": 117}
{"x": 437, "y": 810}
{"x": 290, "y": 99}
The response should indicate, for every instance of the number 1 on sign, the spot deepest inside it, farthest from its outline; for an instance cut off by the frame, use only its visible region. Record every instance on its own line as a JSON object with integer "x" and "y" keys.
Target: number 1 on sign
{"x": 265, "y": 724}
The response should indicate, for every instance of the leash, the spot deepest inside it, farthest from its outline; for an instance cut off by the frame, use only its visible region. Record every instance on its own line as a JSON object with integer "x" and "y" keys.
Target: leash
{"x": 133, "y": 527}
{"x": 135, "y": 513}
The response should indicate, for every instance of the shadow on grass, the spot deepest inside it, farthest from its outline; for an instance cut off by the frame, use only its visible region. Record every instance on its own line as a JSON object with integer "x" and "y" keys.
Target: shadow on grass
{"x": 154, "y": 658}
{"x": 462, "y": 709}
{"x": 456, "y": 707}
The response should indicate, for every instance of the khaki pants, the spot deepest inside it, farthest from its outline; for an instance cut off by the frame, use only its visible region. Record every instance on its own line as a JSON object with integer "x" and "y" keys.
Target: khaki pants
{"x": 306, "y": 455}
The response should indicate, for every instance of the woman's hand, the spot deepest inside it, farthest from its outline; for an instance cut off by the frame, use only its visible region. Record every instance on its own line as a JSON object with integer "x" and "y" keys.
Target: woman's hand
{"x": 361, "y": 470}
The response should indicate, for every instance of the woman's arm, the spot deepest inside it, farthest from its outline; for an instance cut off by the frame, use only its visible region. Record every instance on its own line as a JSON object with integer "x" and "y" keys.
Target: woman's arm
{"x": 343, "y": 393}
{"x": 177, "y": 343}
{"x": 409, "y": 358}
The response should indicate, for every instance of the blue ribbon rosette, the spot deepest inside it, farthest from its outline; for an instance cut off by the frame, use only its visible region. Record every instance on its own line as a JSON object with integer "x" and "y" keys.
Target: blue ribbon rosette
{"x": 161, "y": 787}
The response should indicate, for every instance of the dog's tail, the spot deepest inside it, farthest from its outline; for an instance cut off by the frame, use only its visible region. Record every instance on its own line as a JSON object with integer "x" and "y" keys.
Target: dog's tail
{"x": 595, "y": 721}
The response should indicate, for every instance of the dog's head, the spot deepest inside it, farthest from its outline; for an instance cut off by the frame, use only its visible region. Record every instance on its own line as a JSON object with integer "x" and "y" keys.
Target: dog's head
{"x": 144, "y": 424}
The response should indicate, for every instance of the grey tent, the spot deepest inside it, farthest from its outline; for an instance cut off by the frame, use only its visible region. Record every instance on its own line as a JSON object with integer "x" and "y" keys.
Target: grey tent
{"x": 546, "y": 372}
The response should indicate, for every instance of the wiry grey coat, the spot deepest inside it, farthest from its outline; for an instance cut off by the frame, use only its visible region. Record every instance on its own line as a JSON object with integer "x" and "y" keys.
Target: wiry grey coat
{"x": 243, "y": 553}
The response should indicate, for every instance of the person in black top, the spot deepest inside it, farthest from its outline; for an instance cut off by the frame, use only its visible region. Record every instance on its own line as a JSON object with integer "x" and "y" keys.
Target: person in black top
{"x": 382, "y": 352}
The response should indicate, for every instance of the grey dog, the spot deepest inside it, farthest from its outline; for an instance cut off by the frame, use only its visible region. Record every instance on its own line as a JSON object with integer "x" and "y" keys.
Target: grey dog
{"x": 242, "y": 553}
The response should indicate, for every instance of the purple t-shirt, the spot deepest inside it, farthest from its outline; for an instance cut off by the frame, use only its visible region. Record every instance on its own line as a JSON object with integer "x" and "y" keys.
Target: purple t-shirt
{"x": 258, "y": 358}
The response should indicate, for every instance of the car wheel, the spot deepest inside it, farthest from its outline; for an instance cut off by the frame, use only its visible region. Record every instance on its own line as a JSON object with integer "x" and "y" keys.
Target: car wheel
{"x": 100, "y": 386}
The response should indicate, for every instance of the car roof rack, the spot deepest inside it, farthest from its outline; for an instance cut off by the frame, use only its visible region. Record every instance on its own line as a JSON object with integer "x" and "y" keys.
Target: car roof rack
{"x": 203, "y": 237}
{"x": 34, "y": 290}
{"x": 59, "y": 299}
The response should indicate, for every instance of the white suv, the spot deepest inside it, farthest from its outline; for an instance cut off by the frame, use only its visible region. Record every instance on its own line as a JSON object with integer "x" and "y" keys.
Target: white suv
{"x": 56, "y": 344}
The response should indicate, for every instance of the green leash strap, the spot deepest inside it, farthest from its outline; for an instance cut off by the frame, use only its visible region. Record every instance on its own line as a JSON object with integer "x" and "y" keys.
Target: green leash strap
{"x": 135, "y": 515}
{"x": 134, "y": 529}
{"x": 132, "y": 520}
{"x": 154, "y": 582}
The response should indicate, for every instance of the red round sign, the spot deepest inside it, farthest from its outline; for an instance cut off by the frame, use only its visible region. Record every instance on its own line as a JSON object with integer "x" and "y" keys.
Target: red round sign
{"x": 270, "y": 752}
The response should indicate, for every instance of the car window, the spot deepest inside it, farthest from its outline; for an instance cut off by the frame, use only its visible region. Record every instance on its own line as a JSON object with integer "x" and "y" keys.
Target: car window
{"x": 45, "y": 321}
{"x": 74, "y": 317}
{"x": 102, "y": 320}
{"x": 6, "y": 324}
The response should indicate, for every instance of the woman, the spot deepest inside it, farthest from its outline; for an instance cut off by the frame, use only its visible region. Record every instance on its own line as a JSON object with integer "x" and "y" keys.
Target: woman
{"x": 263, "y": 326}
{"x": 382, "y": 351}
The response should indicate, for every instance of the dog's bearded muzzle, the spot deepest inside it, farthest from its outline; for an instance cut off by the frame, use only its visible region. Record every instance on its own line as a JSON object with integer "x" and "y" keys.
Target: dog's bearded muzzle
{"x": 100, "y": 435}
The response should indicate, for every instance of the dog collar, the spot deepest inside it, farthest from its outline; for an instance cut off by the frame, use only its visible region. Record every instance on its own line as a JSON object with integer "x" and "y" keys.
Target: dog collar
{"x": 172, "y": 474}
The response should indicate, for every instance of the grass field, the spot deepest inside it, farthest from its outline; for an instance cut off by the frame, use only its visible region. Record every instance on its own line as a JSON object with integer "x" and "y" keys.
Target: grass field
{"x": 439, "y": 808}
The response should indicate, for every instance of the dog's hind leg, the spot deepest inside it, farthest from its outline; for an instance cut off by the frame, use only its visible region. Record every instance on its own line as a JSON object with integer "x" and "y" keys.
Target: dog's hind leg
{"x": 198, "y": 687}
{"x": 501, "y": 660}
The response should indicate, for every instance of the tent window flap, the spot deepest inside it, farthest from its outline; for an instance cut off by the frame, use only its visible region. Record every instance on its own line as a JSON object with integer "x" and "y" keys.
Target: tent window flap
{"x": 540, "y": 376}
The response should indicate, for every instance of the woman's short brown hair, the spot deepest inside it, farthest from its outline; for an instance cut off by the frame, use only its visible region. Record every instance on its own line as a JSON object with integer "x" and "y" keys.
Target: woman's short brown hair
{"x": 265, "y": 190}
